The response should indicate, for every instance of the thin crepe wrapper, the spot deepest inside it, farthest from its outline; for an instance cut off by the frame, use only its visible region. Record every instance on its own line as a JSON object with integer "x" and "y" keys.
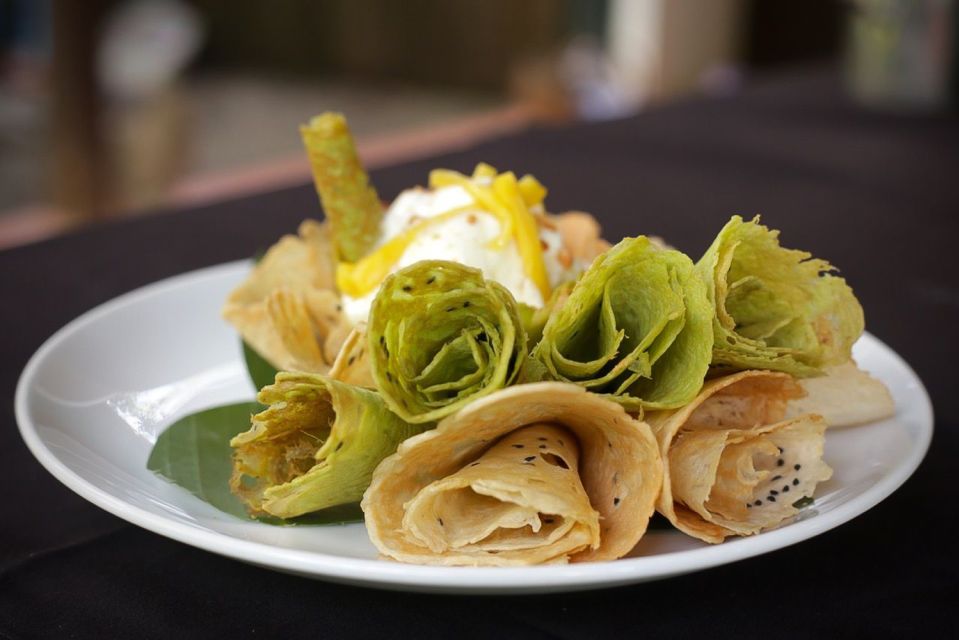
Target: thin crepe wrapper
{"x": 351, "y": 205}
{"x": 315, "y": 446}
{"x": 287, "y": 309}
{"x": 352, "y": 365}
{"x": 845, "y": 396}
{"x": 636, "y": 327}
{"x": 440, "y": 336}
{"x": 739, "y": 414}
{"x": 522, "y": 497}
{"x": 776, "y": 308}
{"x": 619, "y": 466}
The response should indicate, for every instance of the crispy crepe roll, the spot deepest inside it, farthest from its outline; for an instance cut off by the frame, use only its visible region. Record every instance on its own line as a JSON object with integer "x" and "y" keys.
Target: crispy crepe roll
{"x": 582, "y": 235}
{"x": 844, "y": 397}
{"x": 733, "y": 465}
{"x": 441, "y": 336}
{"x": 352, "y": 365}
{"x": 776, "y": 308}
{"x": 287, "y": 309}
{"x": 531, "y": 474}
{"x": 315, "y": 446}
{"x": 637, "y": 327}
{"x": 349, "y": 201}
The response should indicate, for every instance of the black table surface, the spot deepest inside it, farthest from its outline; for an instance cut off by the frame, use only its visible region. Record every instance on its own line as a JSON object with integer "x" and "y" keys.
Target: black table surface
{"x": 875, "y": 193}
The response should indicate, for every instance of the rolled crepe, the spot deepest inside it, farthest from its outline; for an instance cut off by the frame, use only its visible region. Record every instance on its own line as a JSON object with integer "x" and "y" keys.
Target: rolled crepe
{"x": 440, "y": 336}
{"x": 287, "y": 310}
{"x": 535, "y": 473}
{"x": 637, "y": 327}
{"x": 776, "y": 308}
{"x": 351, "y": 205}
{"x": 352, "y": 365}
{"x": 315, "y": 446}
{"x": 844, "y": 397}
{"x": 733, "y": 465}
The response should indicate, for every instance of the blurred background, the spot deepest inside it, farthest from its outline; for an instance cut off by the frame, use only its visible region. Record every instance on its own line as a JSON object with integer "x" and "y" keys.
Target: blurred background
{"x": 113, "y": 108}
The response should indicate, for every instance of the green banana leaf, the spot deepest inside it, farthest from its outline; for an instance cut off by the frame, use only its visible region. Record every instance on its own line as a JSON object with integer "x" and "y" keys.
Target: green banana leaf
{"x": 636, "y": 327}
{"x": 776, "y": 308}
{"x": 314, "y": 447}
{"x": 441, "y": 336}
{"x": 194, "y": 453}
{"x": 261, "y": 372}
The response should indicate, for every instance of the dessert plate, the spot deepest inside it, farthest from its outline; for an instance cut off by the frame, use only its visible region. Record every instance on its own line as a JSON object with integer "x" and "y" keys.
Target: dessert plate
{"x": 93, "y": 399}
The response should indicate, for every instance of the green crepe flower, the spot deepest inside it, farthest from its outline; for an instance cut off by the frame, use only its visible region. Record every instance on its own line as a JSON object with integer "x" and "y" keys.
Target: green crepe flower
{"x": 636, "y": 327}
{"x": 315, "y": 446}
{"x": 776, "y": 308}
{"x": 441, "y": 336}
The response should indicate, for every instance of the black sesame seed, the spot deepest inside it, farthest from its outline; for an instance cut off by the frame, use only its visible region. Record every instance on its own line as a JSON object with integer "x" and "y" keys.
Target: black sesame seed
{"x": 771, "y": 499}
{"x": 339, "y": 446}
{"x": 780, "y": 462}
{"x": 529, "y": 458}
{"x": 431, "y": 280}
{"x": 542, "y": 446}
{"x": 541, "y": 439}
{"x": 450, "y": 309}
{"x": 758, "y": 503}
{"x": 351, "y": 360}
{"x": 776, "y": 478}
{"x": 440, "y": 520}
{"x": 749, "y": 506}
{"x": 797, "y": 467}
{"x": 615, "y": 501}
{"x": 517, "y": 446}
{"x": 473, "y": 464}
{"x": 407, "y": 287}
{"x": 773, "y": 492}
{"x": 796, "y": 482}
{"x": 466, "y": 304}
{"x": 785, "y": 488}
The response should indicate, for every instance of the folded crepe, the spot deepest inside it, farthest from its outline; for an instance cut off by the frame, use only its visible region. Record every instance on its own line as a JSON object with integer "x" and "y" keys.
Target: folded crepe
{"x": 776, "y": 308}
{"x": 844, "y": 397}
{"x": 288, "y": 310}
{"x": 352, "y": 364}
{"x": 733, "y": 464}
{"x": 315, "y": 446}
{"x": 637, "y": 327}
{"x": 536, "y": 473}
{"x": 441, "y": 336}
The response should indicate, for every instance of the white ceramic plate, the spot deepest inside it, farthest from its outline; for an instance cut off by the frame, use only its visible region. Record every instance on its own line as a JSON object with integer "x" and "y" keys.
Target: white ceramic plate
{"x": 93, "y": 399}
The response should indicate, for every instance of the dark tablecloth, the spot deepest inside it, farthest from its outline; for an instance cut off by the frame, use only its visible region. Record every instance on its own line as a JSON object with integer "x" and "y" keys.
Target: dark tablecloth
{"x": 877, "y": 194}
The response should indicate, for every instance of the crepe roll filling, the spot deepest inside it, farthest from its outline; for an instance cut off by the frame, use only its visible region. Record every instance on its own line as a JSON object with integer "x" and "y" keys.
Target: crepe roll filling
{"x": 523, "y": 493}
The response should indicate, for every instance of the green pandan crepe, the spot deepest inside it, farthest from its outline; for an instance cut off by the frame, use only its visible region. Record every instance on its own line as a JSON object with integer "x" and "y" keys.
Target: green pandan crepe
{"x": 315, "y": 446}
{"x": 637, "y": 326}
{"x": 776, "y": 308}
{"x": 441, "y": 336}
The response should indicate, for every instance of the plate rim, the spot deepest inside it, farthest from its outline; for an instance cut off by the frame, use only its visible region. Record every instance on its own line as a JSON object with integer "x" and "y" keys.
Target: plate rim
{"x": 393, "y": 575}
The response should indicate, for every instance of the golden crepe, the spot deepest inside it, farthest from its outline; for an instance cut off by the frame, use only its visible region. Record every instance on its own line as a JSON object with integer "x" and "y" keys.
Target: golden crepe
{"x": 535, "y": 473}
{"x": 288, "y": 310}
{"x": 844, "y": 397}
{"x": 352, "y": 364}
{"x": 733, "y": 465}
